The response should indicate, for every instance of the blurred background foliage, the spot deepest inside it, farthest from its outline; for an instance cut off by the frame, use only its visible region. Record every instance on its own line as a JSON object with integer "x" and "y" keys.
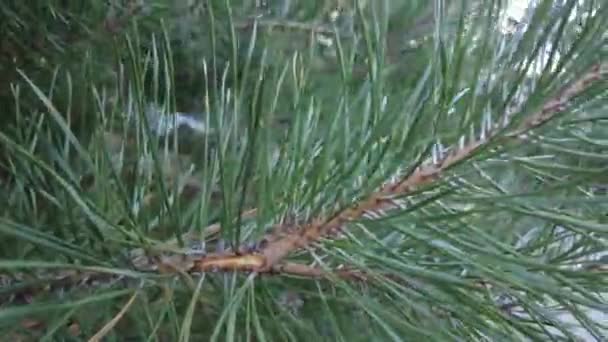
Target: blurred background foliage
{"x": 86, "y": 40}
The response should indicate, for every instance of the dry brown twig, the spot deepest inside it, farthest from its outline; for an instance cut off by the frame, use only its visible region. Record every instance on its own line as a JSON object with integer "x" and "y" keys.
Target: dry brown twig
{"x": 270, "y": 24}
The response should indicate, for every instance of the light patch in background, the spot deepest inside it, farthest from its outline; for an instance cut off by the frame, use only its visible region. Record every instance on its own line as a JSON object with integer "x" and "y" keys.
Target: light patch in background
{"x": 514, "y": 20}
{"x": 515, "y": 11}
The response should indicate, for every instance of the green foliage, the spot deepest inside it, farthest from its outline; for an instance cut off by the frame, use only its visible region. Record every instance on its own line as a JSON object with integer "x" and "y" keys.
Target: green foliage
{"x": 304, "y": 117}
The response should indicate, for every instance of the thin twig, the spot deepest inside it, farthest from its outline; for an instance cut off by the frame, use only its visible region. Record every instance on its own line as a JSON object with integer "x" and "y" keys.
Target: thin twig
{"x": 284, "y": 24}
{"x": 300, "y": 270}
{"x": 112, "y": 323}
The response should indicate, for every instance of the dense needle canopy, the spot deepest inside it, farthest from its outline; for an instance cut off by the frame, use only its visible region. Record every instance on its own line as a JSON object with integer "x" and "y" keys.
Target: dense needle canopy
{"x": 334, "y": 170}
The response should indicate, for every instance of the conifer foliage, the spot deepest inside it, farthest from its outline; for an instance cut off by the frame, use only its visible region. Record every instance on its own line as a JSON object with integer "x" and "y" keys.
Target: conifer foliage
{"x": 340, "y": 170}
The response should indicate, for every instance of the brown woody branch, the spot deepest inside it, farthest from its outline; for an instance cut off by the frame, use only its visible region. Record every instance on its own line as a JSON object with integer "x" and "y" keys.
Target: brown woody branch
{"x": 280, "y": 247}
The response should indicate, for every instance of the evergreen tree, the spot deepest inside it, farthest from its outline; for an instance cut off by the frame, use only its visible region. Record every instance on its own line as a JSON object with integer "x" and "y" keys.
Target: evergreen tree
{"x": 303, "y": 170}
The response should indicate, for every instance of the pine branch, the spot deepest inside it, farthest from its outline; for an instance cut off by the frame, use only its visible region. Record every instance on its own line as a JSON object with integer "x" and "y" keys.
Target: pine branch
{"x": 426, "y": 245}
{"x": 276, "y": 248}
{"x": 559, "y": 103}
